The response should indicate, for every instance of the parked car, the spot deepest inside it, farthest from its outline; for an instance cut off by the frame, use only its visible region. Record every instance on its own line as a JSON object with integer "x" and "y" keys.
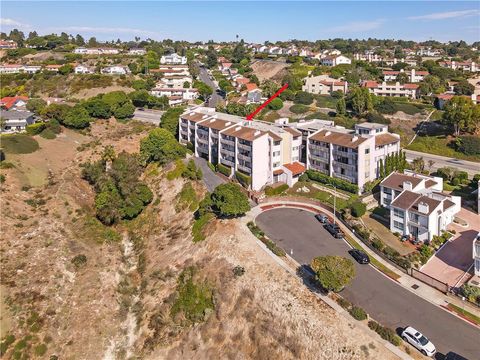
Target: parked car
{"x": 334, "y": 230}
{"x": 453, "y": 356}
{"x": 419, "y": 341}
{"x": 322, "y": 218}
{"x": 360, "y": 256}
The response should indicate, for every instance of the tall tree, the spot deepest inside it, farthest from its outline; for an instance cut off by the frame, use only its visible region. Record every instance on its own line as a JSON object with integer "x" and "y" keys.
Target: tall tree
{"x": 458, "y": 114}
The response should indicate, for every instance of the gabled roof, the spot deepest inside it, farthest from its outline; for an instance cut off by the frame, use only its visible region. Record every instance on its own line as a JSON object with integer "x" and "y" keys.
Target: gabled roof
{"x": 9, "y": 101}
{"x": 384, "y": 139}
{"x": 411, "y": 86}
{"x": 296, "y": 168}
{"x": 294, "y": 132}
{"x": 405, "y": 200}
{"x": 395, "y": 181}
{"x": 338, "y": 138}
{"x": 251, "y": 86}
{"x": 244, "y": 133}
{"x": 217, "y": 124}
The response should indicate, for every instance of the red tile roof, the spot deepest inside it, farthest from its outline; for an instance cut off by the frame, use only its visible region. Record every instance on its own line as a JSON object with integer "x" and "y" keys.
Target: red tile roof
{"x": 384, "y": 139}
{"x": 251, "y": 86}
{"x": 277, "y": 172}
{"x": 10, "y": 101}
{"x": 411, "y": 86}
{"x": 296, "y": 168}
{"x": 370, "y": 84}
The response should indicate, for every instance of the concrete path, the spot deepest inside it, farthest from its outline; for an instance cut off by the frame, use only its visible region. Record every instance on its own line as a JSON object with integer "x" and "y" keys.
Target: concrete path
{"x": 210, "y": 179}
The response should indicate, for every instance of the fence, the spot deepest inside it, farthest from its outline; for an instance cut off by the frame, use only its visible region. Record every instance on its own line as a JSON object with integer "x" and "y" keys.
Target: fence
{"x": 427, "y": 279}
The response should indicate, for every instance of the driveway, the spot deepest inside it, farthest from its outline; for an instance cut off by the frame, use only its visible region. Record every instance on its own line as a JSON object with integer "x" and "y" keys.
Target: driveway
{"x": 210, "y": 179}
{"x": 148, "y": 115}
{"x": 205, "y": 77}
{"x": 451, "y": 263}
{"x": 300, "y": 234}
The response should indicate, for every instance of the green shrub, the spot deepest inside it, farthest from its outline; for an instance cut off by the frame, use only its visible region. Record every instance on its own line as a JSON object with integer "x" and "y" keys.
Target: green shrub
{"x": 471, "y": 292}
{"x": 276, "y": 104}
{"x": 469, "y": 145}
{"x": 272, "y": 191}
{"x": 358, "y": 208}
{"x": 48, "y": 134}
{"x": 274, "y": 248}
{"x": 303, "y": 97}
{"x": 358, "y": 313}
{"x": 187, "y": 198}
{"x": 35, "y": 129}
{"x": 79, "y": 261}
{"x": 378, "y": 244}
{"x": 385, "y": 333}
{"x": 40, "y": 349}
{"x": 344, "y": 303}
{"x": 243, "y": 179}
{"x": 177, "y": 171}
{"x": 426, "y": 253}
{"x": 225, "y": 170}
{"x": 325, "y": 179}
{"x": 299, "y": 109}
{"x": 5, "y": 343}
{"x": 374, "y": 117}
{"x": 211, "y": 166}
{"x": 199, "y": 226}
{"x": 6, "y": 165}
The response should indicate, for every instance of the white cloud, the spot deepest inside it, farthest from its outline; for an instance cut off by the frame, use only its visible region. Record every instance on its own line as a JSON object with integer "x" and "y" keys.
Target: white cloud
{"x": 357, "y": 26}
{"x": 108, "y": 30}
{"x": 446, "y": 15}
{"x": 11, "y": 22}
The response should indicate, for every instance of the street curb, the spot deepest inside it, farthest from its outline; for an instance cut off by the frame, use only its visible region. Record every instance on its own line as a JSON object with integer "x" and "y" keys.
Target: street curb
{"x": 328, "y": 301}
{"x": 460, "y": 316}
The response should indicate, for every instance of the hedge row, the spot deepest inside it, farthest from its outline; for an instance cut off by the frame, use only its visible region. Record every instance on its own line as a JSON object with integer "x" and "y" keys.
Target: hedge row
{"x": 272, "y": 191}
{"x": 243, "y": 179}
{"x": 35, "y": 129}
{"x": 385, "y": 333}
{"x": 325, "y": 179}
{"x": 225, "y": 170}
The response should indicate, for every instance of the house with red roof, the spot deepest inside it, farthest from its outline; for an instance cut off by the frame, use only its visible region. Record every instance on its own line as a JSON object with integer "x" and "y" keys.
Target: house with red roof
{"x": 414, "y": 76}
{"x": 13, "y": 102}
{"x": 409, "y": 90}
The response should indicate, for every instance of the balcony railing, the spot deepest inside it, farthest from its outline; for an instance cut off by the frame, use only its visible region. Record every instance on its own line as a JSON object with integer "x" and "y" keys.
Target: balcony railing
{"x": 202, "y": 140}
{"x": 227, "y": 142}
{"x": 244, "y": 168}
{"x": 244, "y": 147}
{"x": 244, "y": 157}
{"x": 227, "y": 152}
{"x": 227, "y": 162}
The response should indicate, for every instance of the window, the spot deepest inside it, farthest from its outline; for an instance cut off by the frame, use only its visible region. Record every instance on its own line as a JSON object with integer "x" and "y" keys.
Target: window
{"x": 276, "y": 153}
{"x": 276, "y": 143}
{"x": 277, "y": 164}
{"x": 398, "y": 225}
{"x": 295, "y": 158}
{"x": 398, "y": 213}
{"x": 367, "y": 151}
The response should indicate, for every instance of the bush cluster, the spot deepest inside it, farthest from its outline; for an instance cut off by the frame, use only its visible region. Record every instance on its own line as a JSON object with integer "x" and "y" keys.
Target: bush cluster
{"x": 243, "y": 179}
{"x": 385, "y": 333}
{"x": 272, "y": 191}
{"x": 325, "y": 179}
{"x": 268, "y": 243}
{"x": 225, "y": 170}
{"x": 358, "y": 208}
{"x": 357, "y": 313}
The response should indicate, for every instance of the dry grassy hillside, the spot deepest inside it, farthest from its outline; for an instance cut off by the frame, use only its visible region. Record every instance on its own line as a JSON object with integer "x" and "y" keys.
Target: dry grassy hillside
{"x": 76, "y": 289}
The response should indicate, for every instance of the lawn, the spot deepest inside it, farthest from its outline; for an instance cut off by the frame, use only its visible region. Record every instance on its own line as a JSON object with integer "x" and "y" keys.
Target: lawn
{"x": 439, "y": 145}
{"x": 18, "y": 144}
{"x": 464, "y": 313}
{"x": 316, "y": 194}
{"x": 410, "y": 109}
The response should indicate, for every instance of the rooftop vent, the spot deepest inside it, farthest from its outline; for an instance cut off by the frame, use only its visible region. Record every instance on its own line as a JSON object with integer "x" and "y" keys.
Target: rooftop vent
{"x": 407, "y": 185}
{"x": 238, "y": 128}
{"x": 328, "y": 133}
{"x": 354, "y": 138}
{"x": 423, "y": 208}
{"x": 257, "y": 132}
{"x": 205, "y": 116}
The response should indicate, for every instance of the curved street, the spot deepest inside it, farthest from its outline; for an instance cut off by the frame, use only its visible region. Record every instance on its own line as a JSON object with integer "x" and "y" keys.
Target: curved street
{"x": 300, "y": 234}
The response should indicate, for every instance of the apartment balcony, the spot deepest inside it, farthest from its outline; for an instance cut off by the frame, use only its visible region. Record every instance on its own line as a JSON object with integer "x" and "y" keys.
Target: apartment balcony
{"x": 227, "y": 142}
{"x": 245, "y": 169}
{"x": 202, "y": 131}
{"x": 319, "y": 156}
{"x": 227, "y": 153}
{"x": 318, "y": 147}
{"x": 202, "y": 140}
{"x": 227, "y": 162}
{"x": 244, "y": 147}
{"x": 244, "y": 157}
{"x": 214, "y": 135}
{"x": 349, "y": 178}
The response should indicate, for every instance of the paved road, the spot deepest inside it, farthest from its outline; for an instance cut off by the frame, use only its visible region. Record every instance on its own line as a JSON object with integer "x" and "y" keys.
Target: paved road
{"x": 470, "y": 167}
{"x": 205, "y": 77}
{"x": 148, "y": 115}
{"x": 210, "y": 179}
{"x": 381, "y": 297}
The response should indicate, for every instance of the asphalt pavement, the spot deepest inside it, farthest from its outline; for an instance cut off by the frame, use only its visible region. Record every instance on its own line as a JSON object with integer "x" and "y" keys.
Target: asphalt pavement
{"x": 210, "y": 179}
{"x": 205, "y": 77}
{"x": 470, "y": 167}
{"x": 148, "y": 115}
{"x": 302, "y": 236}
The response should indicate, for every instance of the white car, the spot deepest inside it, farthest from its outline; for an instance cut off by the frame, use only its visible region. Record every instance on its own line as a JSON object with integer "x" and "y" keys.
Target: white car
{"x": 418, "y": 340}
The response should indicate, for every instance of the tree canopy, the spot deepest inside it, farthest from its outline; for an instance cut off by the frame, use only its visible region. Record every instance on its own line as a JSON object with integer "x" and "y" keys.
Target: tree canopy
{"x": 333, "y": 272}
{"x": 160, "y": 145}
{"x": 228, "y": 200}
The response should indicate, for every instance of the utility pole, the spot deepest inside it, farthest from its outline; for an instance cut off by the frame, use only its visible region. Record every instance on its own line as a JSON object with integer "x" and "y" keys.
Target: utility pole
{"x": 334, "y": 203}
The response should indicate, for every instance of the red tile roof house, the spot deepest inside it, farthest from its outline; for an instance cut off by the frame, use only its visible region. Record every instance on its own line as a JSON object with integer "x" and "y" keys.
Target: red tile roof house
{"x": 414, "y": 76}
{"x": 411, "y": 91}
{"x": 417, "y": 205}
{"x": 13, "y": 102}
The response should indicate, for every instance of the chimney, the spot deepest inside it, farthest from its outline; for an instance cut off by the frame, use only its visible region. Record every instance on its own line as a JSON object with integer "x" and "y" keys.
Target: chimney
{"x": 257, "y": 132}
{"x": 328, "y": 133}
{"x": 354, "y": 138}
{"x": 238, "y": 128}
{"x": 423, "y": 208}
{"x": 407, "y": 185}
{"x": 205, "y": 116}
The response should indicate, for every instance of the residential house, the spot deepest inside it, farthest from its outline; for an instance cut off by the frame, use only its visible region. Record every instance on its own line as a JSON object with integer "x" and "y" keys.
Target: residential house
{"x": 96, "y": 51}
{"x": 8, "y": 44}
{"x": 323, "y": 85}
{"x": 168, "y": 70}
{"x": 173, "y": 59}
{"x": 52, "y": 68}
{"x": 83, "y": 69}
{"x": 116, "y": 70}
{"x": 175, "y": 96}
{"x": 469, "y": 66}
{"x": 174, "y": 81}
{"x": 137, "y": 52}
{"x": 334, "y": 60}
{"x": 414, "y": 76}
{"x": 15, "y": 121}
{"x": 353, "y": 156}
{"x": 411, "y": 91}
{"x": 31, "y": 69}
{"x": 429, "y": 52}
{"x": 417, "y": 205}
{"x": 18, "y": 68}
{"x": 225, "y": 67}
{"x": 14, "y": 102}
{"x": 368, "y": 57}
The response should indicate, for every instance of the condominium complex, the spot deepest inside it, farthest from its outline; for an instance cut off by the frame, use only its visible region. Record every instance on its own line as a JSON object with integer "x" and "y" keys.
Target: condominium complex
{"x": 411, "y": 91}
{"x": 418, "y": 207}
{"x": 281, "y": 152}
{"x": 353, "y": 156}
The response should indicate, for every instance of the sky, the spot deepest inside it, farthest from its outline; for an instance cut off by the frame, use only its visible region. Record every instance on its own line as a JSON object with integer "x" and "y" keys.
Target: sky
{"x": 254, "y": 21}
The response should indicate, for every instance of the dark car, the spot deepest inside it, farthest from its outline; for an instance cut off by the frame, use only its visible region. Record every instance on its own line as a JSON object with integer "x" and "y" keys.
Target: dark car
{"x": 322, "y": 218}
{"x": 334, "y": 230}
{"x": 454, "y": 356}
{"x": 360, "y": 256}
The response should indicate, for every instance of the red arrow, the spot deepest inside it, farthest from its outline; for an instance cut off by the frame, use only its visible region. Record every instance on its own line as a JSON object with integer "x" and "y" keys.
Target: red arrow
{"x": 257, "y": 110}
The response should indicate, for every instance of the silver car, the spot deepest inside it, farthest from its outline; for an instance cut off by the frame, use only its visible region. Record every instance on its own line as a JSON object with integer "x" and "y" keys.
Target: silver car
{"x": 419, "y": 341}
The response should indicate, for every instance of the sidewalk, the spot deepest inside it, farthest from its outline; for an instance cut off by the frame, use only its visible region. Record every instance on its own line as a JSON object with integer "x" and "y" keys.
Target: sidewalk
{"x": 411, "y": 284}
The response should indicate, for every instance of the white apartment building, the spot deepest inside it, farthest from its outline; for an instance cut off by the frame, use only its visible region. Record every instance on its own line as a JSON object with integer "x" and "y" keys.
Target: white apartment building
{"x": 429, "y": 52}
{"x": 323, "y": 85}
{"x": 96, "y": 51}
{"x": 334, "y": 60}
{"x": 175, "y": 96}
{"x": 83, "y": 69}
{"x": 414, "y": 76}
{"x": 116, "y": 70}
{"x": 411, "y": 91}
{"x": 169, "y": 70}
{"x": 173, "y": 59}
{"x": 417, "y": 205}
{"x": 457, "y": 65}
{"x": 174, "y": 81}
{"x": 353, "y": 156}
{"x": 476, "y": 254}
{"x": 264, "y": 152}
{"x": 368, "y": 57}
{"x": 18, "y": 68}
